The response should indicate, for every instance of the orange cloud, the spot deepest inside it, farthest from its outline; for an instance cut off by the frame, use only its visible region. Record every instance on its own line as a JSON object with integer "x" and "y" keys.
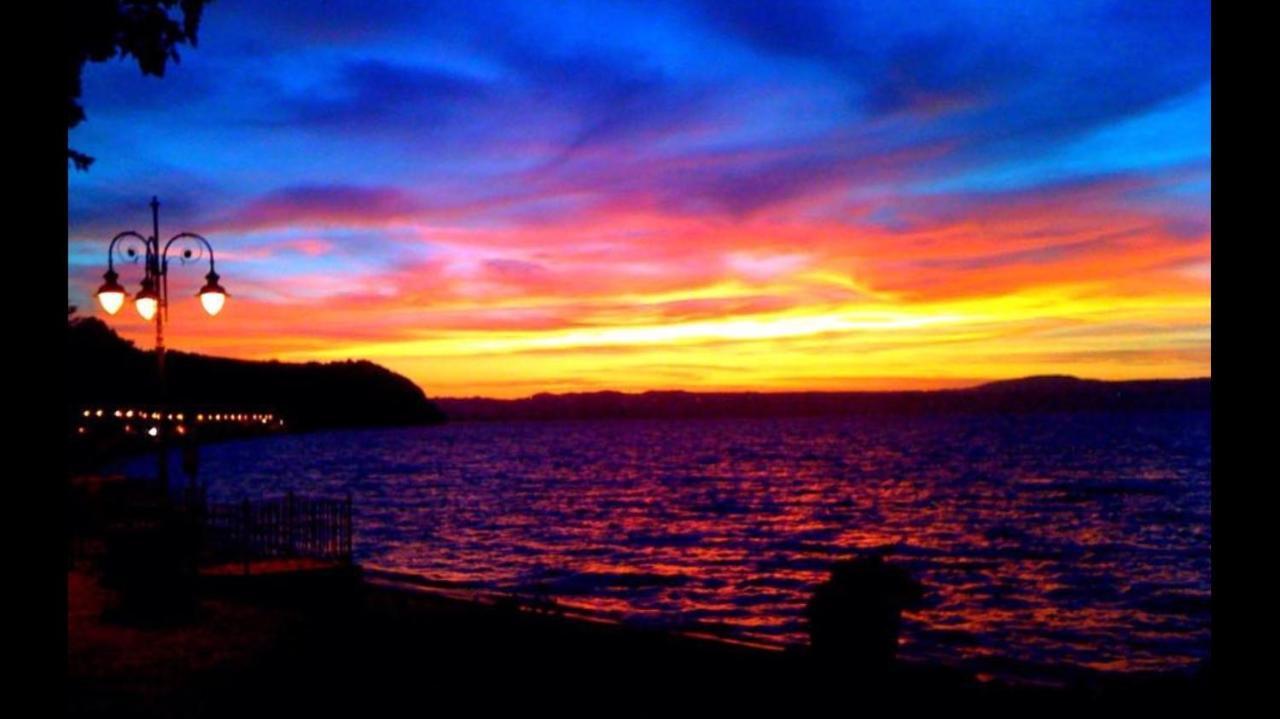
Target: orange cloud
{"x": 632, "y": 298}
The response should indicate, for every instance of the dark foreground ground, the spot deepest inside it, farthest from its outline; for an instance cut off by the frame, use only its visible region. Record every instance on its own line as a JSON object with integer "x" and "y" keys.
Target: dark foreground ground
{"x": 330, "y": 644}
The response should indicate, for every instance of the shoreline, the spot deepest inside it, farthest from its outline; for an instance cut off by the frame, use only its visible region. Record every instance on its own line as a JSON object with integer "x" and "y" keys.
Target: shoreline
{"x": 1015, "y": 673}
{"x": 932, "y": 649}
{"x": 347, "y": 641}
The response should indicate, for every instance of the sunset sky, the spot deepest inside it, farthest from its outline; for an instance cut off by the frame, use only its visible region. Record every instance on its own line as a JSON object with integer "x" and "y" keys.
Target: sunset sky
{"x": 672, "y": 195}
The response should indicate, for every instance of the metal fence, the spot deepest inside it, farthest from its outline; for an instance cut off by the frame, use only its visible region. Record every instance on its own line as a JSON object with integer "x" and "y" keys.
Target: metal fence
{"x": 293, "y": 526}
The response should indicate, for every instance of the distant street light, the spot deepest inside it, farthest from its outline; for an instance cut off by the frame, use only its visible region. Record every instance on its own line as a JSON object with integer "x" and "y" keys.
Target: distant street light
{"x": 152, "y": 300}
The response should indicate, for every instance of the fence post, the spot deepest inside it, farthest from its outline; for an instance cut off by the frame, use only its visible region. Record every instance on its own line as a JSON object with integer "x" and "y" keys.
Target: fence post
{"x": 290, "y": 513}
{"x": 347, "y": 528}
{"x": 244, "y": 534}
{"x": 197, "y": 520}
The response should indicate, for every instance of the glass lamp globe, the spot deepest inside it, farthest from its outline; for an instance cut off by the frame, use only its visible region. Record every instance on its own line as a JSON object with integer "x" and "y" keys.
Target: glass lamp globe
{"x": 147, "y": 302}
{"x": 111, "y": 295}
{"x": 212, "y": 295}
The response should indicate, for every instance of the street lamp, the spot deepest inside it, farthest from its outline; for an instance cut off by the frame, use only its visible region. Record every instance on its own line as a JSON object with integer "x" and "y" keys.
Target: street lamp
{"x": 152, "y": 300}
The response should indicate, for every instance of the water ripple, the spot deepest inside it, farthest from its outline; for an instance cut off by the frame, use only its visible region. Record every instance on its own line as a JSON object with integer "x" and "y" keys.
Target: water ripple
{"x": 1045, "y": 540}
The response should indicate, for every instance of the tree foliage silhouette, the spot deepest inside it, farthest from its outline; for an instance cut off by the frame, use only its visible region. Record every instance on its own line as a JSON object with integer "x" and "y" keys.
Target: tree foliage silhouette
{"x": 111, "y": 371}
{"x": 149, "y": 31}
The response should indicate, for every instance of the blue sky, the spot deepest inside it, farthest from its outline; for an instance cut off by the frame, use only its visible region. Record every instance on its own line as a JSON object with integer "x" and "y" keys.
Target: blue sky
{"x": 340, "y": 152}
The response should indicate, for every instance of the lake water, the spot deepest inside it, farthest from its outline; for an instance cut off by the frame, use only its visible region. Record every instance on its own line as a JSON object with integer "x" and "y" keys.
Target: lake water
{"x": 1044, "y": 540}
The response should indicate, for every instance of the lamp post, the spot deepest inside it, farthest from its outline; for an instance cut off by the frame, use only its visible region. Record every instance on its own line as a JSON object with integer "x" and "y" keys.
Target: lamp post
{"x": 152, "y": 300}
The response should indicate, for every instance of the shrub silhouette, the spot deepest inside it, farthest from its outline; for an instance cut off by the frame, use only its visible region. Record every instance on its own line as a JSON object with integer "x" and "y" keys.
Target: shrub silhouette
{"x": 856, "y": 615}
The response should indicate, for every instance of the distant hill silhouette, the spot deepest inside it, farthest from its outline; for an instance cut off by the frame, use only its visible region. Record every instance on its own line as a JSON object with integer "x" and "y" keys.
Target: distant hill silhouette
{"x": 1030, "y": 394}
{"x": 106, "y": 369}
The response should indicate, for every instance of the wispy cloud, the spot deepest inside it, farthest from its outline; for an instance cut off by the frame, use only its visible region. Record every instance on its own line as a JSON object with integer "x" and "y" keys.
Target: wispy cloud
{"x": 698, "y": 194}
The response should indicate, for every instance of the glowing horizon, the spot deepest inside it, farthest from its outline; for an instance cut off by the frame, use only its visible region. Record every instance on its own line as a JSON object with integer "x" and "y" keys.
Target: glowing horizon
{"x": 673, "y": 195}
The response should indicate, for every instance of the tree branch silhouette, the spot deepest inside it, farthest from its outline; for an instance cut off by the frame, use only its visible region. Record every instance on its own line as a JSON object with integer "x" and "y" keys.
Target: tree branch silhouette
{"x": 149, "y": 31}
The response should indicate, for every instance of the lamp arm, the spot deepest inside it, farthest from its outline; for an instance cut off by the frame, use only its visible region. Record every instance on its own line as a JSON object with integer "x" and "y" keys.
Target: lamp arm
{"x": 111, "y": 248}
{"x": 164, "y": 255}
